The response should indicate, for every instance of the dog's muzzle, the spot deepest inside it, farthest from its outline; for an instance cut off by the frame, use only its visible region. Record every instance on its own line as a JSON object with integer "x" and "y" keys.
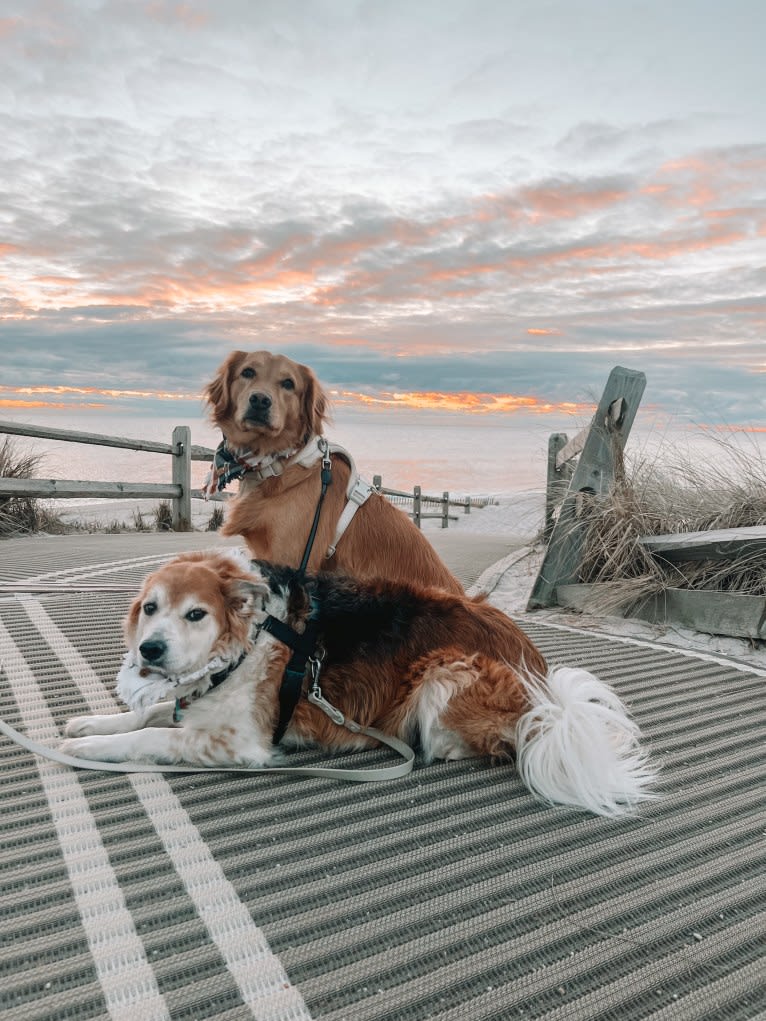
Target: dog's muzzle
{"x": 259, "y": 409}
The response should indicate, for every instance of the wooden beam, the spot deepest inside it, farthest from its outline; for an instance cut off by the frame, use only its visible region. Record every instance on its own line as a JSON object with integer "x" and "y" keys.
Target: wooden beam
{"x": 715, "y": 613}
{"x": 72, "y": 436}
{"x": 717, "y": 544}
{"x": 71, "y": 489}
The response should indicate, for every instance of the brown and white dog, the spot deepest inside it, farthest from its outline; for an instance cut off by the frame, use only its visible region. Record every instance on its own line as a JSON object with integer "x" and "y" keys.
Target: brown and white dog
{"x": 271, "y": 411}
{"x": 451, "y": 673}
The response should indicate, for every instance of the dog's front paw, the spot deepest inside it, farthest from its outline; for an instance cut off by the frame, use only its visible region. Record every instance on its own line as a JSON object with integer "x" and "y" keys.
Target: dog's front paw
{"x": 81, "y": 726}
{"x": 93, "y": 748}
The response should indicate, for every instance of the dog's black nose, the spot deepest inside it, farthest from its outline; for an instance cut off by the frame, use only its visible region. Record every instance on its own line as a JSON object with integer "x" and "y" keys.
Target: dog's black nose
{"x": 260, "y": 402}
{"x": 153, "y": 649}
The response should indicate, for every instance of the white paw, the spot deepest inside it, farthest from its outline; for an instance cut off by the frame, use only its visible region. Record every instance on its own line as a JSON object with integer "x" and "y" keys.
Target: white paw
{"x": 97, "y": 749}
{"x": 78, "y": 748}
{"x": 81, "y": 726}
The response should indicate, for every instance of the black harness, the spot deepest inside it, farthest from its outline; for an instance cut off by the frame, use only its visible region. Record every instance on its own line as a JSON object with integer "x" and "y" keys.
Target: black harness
{"x": 303, "y": 644}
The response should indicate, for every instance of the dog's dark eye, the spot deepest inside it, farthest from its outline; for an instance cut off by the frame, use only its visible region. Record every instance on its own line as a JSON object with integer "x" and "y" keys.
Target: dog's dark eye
{"x": 149, "y": 608}
{"x": 248, "y": 373}
{"x": 288, "y": 384}
{"x": 196, "y": 614}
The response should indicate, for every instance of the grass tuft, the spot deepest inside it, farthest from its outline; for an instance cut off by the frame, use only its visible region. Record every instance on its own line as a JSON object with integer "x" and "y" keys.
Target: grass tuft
{"x": 682, "y": 493}
{"x": 22, "y": 515}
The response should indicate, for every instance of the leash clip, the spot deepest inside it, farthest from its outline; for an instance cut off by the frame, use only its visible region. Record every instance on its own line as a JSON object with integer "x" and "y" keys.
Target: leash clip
{"x": 315, "y": 695}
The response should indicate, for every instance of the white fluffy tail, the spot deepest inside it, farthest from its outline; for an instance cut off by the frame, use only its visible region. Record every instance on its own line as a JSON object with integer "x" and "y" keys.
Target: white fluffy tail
{"x": 576, "y": 745}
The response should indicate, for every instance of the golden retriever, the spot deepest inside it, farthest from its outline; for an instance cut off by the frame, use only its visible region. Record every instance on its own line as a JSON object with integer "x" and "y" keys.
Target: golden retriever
{"x": 214, "y": 632}
{"x": 271, "y": 411}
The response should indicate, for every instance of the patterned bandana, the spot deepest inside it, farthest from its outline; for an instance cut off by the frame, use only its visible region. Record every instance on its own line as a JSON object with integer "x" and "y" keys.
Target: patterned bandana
{"x": 230, "y": 465}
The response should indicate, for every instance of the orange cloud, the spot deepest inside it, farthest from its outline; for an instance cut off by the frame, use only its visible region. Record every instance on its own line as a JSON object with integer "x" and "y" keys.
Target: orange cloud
{"x": 471, "y": 403}
{"x": 540, "y": 332}
{"x": 96, "y": 391}
{"x": 25, "y": 405}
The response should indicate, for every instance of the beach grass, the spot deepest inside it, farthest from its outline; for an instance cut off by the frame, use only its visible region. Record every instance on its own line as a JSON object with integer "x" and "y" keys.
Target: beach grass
{"x": 22, "y": 515}
{"x": 672, "y": 493}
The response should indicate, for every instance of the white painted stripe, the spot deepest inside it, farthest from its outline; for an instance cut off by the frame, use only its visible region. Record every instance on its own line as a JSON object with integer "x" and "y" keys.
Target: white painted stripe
{"x": 258, "y": 973}
{"x": 126, "y": 978}
{"x": 88, "y": 571}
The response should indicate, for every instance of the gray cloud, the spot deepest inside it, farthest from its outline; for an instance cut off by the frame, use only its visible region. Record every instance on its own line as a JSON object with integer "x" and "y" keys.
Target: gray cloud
{"x": 392, "y": 194}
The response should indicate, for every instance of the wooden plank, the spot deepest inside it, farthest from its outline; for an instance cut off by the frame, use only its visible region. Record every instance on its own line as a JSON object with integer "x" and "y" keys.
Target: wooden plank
{"x": 72, "y": 436}
{"x": 198, "y": 453}
{"x": 71, "y": 489}
{"x": 717, "y": 544}
{"x": 594, "y": 475}
{"x": 714, "y": 613}
{"x": 570, "y": 448}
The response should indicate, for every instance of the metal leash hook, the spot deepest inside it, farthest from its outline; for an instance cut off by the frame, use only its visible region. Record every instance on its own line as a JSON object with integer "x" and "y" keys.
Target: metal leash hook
{"x": 315, "y": 695}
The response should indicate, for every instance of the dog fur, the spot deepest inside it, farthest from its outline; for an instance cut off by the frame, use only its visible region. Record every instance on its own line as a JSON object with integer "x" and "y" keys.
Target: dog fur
{"x": 452, "y": 674}
{"x": 266, "y": 403}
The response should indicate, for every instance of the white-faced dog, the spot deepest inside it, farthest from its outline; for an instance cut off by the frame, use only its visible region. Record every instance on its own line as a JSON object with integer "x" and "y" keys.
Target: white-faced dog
{"x": 214, "y": 641}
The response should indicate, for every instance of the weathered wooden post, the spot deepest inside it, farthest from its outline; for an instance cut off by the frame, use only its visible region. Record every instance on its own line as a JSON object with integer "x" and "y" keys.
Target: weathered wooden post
{"x": 593, "y": 477}
{"x": 377, "y": 481}
{"x": 467, "y": 505}
{"x": 445, "y": 510}
{"x": 556, "y": 483}
{"x": 181, "y": 505}
{"x": 416, "y": 504}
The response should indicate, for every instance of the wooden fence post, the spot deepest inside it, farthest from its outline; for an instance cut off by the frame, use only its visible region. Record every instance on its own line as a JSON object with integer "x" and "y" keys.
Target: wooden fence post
{"x": 468, "y": 505}
{"x": 592, "y": 477}
{"x": 181, "y": 505}
{"x": 557, "y": 481}
{"x": 416, "y": 505}
{"x": 377, "y": 481}
{"x": 445, "y": 510}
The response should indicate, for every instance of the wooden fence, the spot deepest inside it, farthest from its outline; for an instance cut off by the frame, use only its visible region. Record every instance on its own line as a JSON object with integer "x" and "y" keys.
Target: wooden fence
{"x": 419, "y": 500}
{"x": 586, "y": 467}
{"x": 178, "y": 491}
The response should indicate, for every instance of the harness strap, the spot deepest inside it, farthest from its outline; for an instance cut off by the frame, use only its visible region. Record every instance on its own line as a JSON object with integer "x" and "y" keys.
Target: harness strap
{"x": 329, "y": 772}
{"x": 303, "y": 646}
{"x": 356, "y": 496}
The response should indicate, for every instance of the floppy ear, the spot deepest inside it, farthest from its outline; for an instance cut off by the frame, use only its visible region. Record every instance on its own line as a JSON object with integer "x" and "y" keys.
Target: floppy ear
{"x": 245, "y": 595}
{"x": 130, "y": 624}
{"x": 218, "y": 393}
{"x": 314, "y": 403}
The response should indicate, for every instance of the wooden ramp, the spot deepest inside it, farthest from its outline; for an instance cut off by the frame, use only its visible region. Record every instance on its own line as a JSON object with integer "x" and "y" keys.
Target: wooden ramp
{"x": 448, "y": 895}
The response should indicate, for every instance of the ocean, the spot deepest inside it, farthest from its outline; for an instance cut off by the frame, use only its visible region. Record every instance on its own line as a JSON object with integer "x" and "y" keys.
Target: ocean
{"x": 467, "y": 455}
{"x": 476, "y": 457}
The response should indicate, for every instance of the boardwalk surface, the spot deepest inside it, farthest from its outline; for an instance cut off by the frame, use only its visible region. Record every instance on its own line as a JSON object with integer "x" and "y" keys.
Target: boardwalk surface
{"x": 450, "y": 895}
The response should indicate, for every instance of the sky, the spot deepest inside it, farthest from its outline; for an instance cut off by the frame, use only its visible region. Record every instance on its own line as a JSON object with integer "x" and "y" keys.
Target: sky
{"x": 478, "y": 205}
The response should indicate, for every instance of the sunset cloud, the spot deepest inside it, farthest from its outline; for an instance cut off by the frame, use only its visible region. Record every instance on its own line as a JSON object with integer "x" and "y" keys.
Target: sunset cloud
{"x": 511, "y": 214}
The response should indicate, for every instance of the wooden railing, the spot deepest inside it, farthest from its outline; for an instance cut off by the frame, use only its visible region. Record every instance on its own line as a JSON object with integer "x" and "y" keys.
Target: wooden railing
{"x": 419, "y": 499}
{"x": 178, "y": 491}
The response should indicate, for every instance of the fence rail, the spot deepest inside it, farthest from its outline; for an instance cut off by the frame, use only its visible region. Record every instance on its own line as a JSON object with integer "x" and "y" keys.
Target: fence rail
{"x": 178, "y": 490}
{"x": 418, "y": 499}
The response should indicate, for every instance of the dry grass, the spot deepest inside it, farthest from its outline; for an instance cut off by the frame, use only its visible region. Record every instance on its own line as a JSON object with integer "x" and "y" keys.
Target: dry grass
{"x": 679, "y": 494}
{"x": 21, "y": 515}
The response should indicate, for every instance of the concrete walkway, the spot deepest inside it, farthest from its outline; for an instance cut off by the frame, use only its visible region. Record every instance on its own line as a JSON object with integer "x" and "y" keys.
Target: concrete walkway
{"x": 448, "y": 895}
{"x": 99, "y": 554}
